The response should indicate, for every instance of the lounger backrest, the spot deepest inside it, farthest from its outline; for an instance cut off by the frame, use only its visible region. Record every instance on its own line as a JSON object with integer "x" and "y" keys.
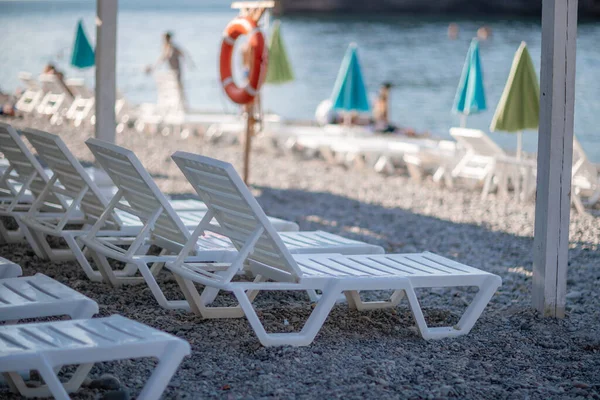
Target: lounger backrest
{"x": 582, "y": 165}
{"x": 71, "y": 174}
{"x": 28, "y": 80}
{"x": 78, "y": 88}
{"x": 236, "y": 210}
{"x": 139, "y": 189}
{"x": 24, "y": 163}
{"x": 476, "y": 142}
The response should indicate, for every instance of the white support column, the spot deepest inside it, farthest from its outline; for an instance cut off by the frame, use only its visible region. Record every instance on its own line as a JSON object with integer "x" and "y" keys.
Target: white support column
{"x": 555, "y": 154}
{"x": 106, "y": 56}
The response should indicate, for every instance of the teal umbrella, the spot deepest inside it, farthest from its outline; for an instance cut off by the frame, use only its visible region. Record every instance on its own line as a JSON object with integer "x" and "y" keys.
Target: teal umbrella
{"x": 470, "y": 95}
{"x": 349, "y": 92}
{"x": 83, "y": 53}
{"x": 279, "y": 69}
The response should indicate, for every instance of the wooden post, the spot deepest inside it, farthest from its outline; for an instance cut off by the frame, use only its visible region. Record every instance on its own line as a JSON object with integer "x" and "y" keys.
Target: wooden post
{"x": 555, "y": 153}
{"x": 248, "y": 140}
{"x": 106, "y": 55}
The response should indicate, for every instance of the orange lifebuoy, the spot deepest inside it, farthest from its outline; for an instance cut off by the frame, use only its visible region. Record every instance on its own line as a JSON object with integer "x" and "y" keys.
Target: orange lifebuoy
{"x": 243, "y": 26}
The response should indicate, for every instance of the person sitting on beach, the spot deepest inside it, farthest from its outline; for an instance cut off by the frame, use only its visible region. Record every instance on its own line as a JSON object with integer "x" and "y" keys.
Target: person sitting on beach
{"x": 50, "y": 69}
{"x": 172, "y": 55}
{"x": 381, "y": 110}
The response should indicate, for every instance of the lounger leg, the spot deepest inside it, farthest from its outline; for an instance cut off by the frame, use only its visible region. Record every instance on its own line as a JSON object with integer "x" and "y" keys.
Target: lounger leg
{"x": 54, "y": 385}
{"x": 487, "y": 288}
{"x": 311, "y": 327}
{"x": 576, "y": 200}
{"x": 157, "y": 291}
{"x": 33, "y": 240}
{"x": 355, "y": 302}
{"x": 198, "y": 307}
{"x": 160, "y": 378}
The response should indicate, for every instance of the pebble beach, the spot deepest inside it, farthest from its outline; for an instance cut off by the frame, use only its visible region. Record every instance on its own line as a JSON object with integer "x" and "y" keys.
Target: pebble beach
{"x": 511, "y": 352}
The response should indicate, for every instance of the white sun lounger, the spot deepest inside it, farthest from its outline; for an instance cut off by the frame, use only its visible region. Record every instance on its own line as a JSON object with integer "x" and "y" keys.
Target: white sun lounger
{"x": 586, "y": 182}
{"x": 87, "y": 204}
{"x": 20, "y": 183}
{"x": 164, "y": 228}
{"x": 47, "y": 346}
{"x": 31, "y": 96}
{"x": 243, "y": 221}
{"x": 485, "y": 161}
{"x": 40, "y": 296}
{"x": 56, "y": 99}
{"x": 9, "y": 269}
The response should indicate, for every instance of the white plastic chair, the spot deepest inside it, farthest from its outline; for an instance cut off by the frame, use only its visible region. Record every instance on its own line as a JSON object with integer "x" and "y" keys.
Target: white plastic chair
{"x": 479, "y": 161}
{"x": 164, "y": 228}
{"x": 31, "y": 96}
{"x": 82, "y": 107}
{"x": 275, "y": 268}
{"x": 56, "y": 99}
{"x": 87, "y": 205}
{"x": 39, "y": 296}
{"x": 586, "y": 182}
{"x": 47, "y": 346}
{"x": 20, "y": 183}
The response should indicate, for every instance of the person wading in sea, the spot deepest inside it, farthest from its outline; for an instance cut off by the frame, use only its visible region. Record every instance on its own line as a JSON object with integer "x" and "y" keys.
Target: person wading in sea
{"x": 173, "y": 56}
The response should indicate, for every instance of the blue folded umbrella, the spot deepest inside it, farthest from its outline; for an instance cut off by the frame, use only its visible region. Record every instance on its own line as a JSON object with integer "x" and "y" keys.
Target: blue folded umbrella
{"x": 349, "y": 92}
{"x": 470, "y": 95}
{"x": 83, "y": 53}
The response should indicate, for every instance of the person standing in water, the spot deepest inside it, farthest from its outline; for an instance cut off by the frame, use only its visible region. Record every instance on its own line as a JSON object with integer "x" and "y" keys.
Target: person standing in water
{"x": 173, "y": 56}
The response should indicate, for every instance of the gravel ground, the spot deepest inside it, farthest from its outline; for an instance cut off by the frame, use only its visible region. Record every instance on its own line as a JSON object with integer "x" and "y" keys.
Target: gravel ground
{"x": 510, "y": 353}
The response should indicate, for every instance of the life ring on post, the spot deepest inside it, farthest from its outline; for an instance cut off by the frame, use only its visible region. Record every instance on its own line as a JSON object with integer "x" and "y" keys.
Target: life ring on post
{"x": 243, "y": 26}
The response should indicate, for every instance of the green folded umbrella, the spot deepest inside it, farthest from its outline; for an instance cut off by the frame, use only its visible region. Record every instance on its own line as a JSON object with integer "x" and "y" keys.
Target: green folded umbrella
{"x": 279, "y": 69}
{"x": 83, "y": 53}
{"x": 519, "y": 106}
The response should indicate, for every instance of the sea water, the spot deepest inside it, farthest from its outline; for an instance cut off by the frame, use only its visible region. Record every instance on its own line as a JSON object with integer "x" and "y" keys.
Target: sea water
{"x": 412, "y": 52}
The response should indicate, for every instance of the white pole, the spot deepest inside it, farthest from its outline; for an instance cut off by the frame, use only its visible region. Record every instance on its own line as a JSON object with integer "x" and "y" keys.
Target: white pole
{"x": 463, "y": 120}
{"x": 555, "y": 153}
{"x": 519, "y": 144}
{"x": 106, "y": 55}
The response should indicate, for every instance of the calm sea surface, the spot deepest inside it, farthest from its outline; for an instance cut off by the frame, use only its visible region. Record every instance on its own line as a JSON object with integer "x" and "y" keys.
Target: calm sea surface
{"x": 412, "y": 52}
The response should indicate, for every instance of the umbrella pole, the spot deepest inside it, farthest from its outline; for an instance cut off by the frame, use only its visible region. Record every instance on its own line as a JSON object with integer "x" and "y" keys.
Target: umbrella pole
{"x": 463, "y": 120}
{"x": 248, "y": 140}
{"x": 519, "y": 144}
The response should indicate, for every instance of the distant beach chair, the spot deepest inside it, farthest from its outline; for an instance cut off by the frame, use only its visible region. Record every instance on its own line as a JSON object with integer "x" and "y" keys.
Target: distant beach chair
{"x": 586, "y": 182}
{"x": 260, "y": 249}
{"x": 56, "y": 100}
{"x": 47, "y": 346}
{"x": 484, "y": 161}
{"x": 82, "y": 107}
{"x": 171, "y": 114}
{"x": 439, "y": 161}
{"x": 31, "y": 96}
{"x": 164, "y": 228}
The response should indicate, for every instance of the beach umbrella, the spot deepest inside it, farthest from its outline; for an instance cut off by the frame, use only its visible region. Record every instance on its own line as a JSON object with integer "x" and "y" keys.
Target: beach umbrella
{"x": 470, "y": 95}
{"x": 519, "y": 106}
{"x": 349, "y": 92}
{"x": 83, "y": 53}
{"x": 279, "y": 70}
